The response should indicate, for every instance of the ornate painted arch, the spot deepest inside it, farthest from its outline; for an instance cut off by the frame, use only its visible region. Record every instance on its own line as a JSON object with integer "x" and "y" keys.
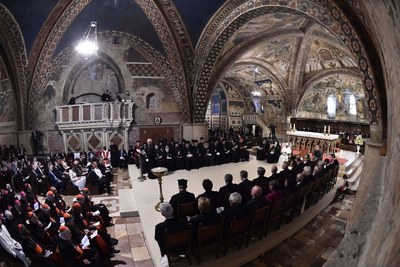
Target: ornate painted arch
{"x": 61, "y": 18}
{"x": 237, "y": 13}
{"x": 15, "y": 52}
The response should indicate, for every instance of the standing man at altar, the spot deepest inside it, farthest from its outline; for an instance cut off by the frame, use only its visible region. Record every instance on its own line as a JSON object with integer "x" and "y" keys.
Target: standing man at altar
{"x": 272, "y": 128}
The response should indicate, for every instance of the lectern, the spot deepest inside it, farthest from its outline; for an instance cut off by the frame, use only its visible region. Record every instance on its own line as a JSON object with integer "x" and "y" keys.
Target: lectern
{"x": 159, "y": 172}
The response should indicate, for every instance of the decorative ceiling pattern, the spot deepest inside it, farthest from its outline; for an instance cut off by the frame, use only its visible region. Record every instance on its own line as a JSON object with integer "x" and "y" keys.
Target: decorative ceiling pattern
{"x": 324, "y": 12}
{"x": 266, "y": 23}
{"x": 307, "y": 38}
{"x": 278, "y": 53}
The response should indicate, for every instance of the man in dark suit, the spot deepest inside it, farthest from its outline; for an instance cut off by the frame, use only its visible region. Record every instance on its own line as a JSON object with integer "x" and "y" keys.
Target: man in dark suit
{"x": 261, "y": 179}
{"x": 182, "y": 197}
{"x": 257, "y": 201}
{"x": 208, "y": 185}
{"x": 300, "y": 181}
{"x": 317, "y": 153}
{"x": 299, "y": 167}
{"x": 235, "y": 211}
{"x": 245, "y": 182}
{"x": 308, "y": 177}
{"x": 245, "y": 186}
{"x": 171, "y": 224}
{"x": 229, "y": 187}
{"x": 274, "y": 173}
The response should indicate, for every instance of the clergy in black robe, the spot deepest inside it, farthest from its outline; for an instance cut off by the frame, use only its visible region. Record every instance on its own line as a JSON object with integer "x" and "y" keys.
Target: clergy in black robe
{"x": 182, "y": 197}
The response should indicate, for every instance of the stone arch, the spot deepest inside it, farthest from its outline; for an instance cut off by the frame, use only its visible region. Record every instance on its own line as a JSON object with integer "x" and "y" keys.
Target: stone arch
{"x": 14, "y": 55}
{"x": 325, "y": 12}
{"x": 61, "y": 18}
{"x": 82, "y": 64}
{"x": 46, "y": 43}
{"x": 152, "y": 97}
{"x": 275, "y": 77}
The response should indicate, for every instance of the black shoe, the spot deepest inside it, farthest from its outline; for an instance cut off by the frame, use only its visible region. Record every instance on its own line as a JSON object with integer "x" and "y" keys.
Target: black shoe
{"x": 113, "y": 241}
{"x": 109, "y": 224}
{"x": 115, "y": 251}
{"x": 112, "y": 255}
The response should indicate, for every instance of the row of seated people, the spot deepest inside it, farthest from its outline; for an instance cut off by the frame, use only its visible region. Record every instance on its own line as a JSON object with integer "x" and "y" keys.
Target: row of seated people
{"x": 206, "y": 211}
{"x": 52, "y": 232}
{"x": 117, "y": 157}
{"x": 188, "y": 154}
{"x": 62, "y": 174}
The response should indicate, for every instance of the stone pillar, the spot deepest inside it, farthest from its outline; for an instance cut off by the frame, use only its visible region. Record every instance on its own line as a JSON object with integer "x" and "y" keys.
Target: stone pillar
{"x": 24, "y": 137}
{"x": 194, "y": 131}
{"x": 375, "y": 133}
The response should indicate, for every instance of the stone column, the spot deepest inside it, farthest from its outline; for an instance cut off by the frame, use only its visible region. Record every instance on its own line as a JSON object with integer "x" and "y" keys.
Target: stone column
{"x": 194, "y": 131}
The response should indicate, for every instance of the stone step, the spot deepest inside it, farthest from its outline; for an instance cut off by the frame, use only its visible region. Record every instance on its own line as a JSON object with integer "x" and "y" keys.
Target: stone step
{"x": 351, "y": 166}
{"x": 355, "y": 177}
{"x": 127, "y": 203}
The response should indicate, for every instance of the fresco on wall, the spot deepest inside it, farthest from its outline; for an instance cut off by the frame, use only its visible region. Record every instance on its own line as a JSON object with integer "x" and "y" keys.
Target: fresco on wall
{"x": 8, "y": 104}
{"x": 96, "y": 78}
{"x": 323, "y": 56}
{"x": 314, "y": 102}
{"x": 236, "y": 108}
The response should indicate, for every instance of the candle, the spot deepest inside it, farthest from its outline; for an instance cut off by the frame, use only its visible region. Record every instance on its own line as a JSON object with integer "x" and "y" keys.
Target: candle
{"x": 324, "y": 128}
{"x": 294, "y": 126}
{"x": 329, "y": 129}
{"x": 291, "y": 127}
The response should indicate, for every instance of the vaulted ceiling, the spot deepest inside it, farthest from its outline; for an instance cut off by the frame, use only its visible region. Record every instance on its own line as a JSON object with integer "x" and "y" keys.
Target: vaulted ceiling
{"x": 292, "y": 42}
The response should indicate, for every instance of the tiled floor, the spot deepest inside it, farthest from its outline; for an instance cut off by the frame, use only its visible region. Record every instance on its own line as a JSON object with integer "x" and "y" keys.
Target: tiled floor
{"x": 312, "y": 245}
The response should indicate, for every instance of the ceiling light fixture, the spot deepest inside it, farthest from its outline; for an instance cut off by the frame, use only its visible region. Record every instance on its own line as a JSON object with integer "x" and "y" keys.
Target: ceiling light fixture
{"x": 87, "y": 46}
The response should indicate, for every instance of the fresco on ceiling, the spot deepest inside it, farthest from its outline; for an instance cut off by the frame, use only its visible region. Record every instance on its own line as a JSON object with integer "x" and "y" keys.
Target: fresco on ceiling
{"x": 314, "y": 102}
{"x": 323, "y": 56}
{"x": 8, "y": 104}
{"x": 263, "y": 24}
{"x": 232, "y": 93}
{"x": 276, "y": 52}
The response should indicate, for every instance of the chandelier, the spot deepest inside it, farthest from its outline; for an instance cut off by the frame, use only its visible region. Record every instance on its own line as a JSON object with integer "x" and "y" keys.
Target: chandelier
{"x": 87, "y": 46}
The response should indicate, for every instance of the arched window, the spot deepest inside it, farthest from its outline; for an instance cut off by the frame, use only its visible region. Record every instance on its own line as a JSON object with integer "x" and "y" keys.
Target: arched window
{"x": 151, "y": 101}
{"x": 353, "y": 107}
{"x": 331, "y": 106}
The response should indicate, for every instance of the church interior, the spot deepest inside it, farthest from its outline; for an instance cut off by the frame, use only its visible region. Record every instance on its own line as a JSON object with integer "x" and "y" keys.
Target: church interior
{"x": 304, "y": 73}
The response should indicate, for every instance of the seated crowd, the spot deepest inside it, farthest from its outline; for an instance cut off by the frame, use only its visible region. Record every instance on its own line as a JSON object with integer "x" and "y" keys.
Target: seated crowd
{"x": 235, "y": 201}
{"x": 51, "y": 232}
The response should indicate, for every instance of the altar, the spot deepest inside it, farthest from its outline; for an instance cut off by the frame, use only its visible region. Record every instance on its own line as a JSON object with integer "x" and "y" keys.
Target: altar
{"x": 302, "y": 140}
